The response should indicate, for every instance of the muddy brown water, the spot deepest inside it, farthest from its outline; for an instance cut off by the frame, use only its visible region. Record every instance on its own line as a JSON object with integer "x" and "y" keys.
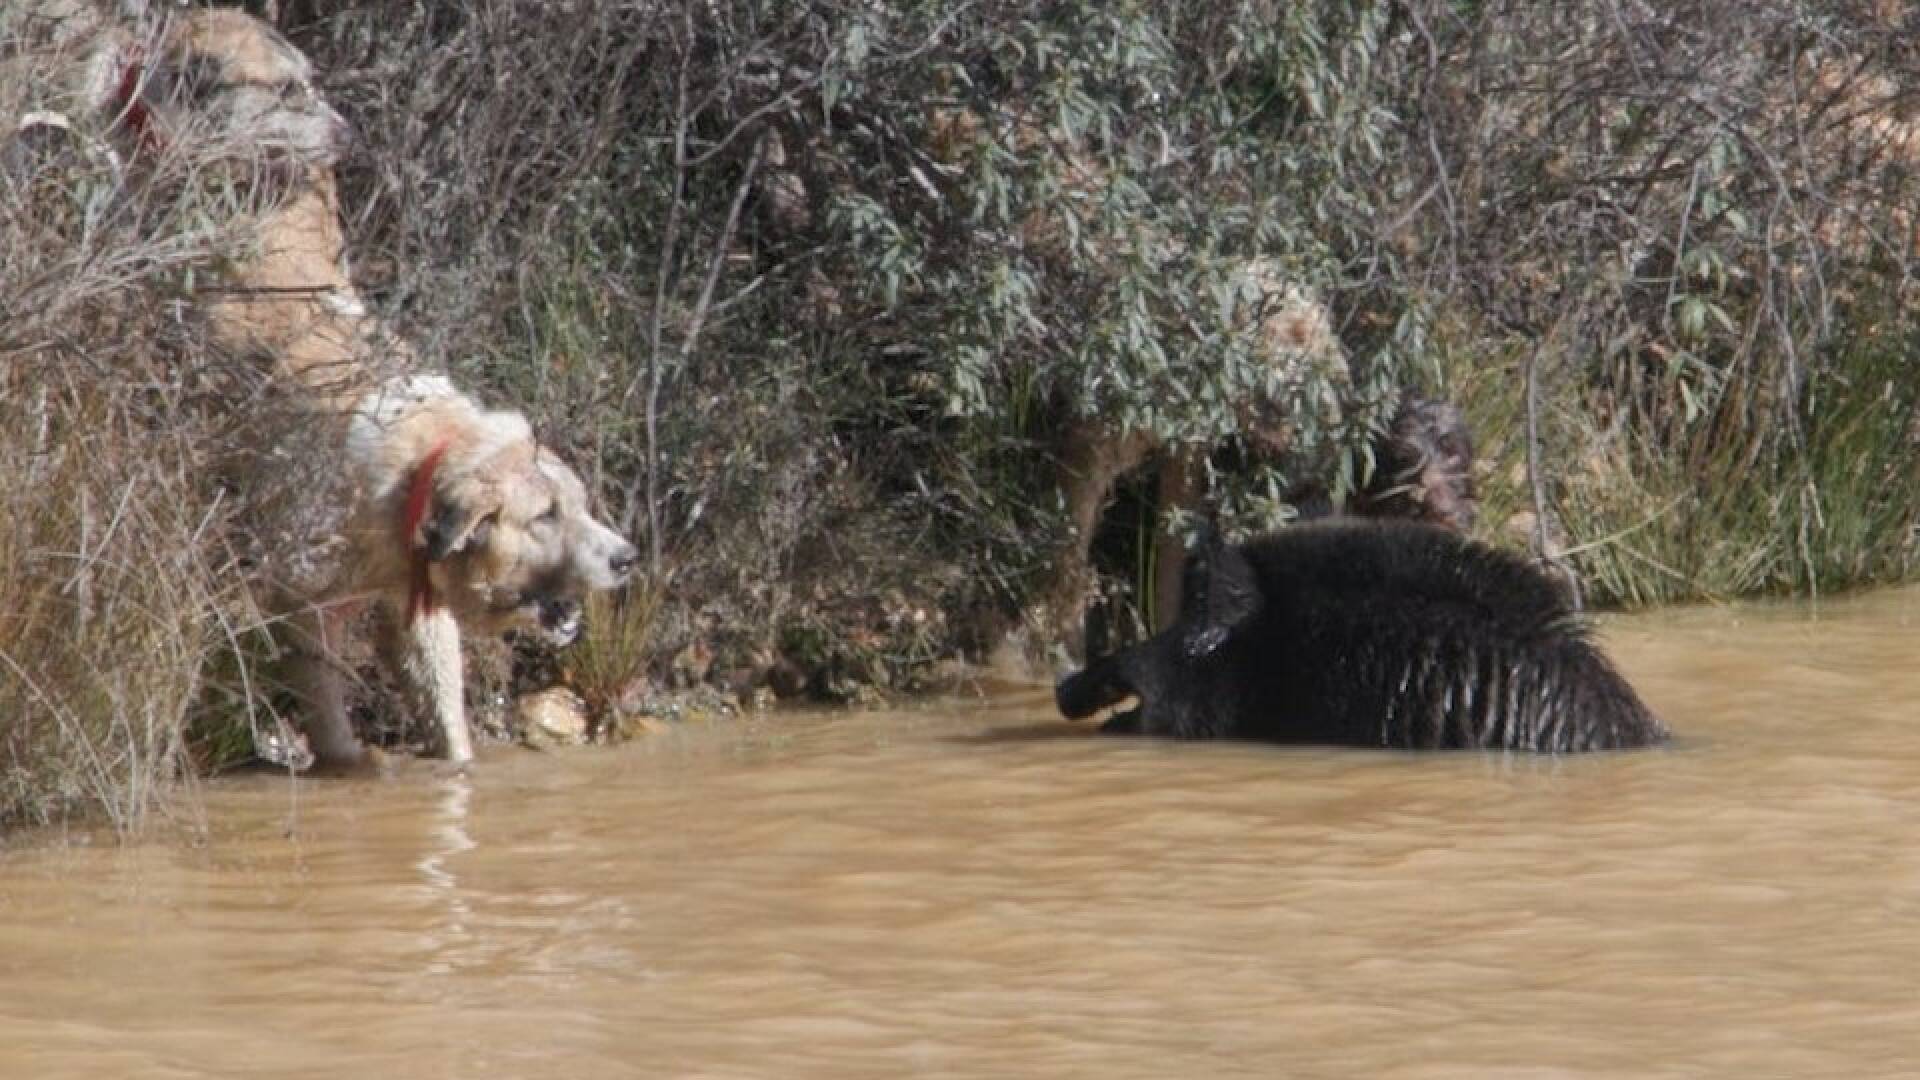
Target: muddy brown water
{"x": 972, "y": 889}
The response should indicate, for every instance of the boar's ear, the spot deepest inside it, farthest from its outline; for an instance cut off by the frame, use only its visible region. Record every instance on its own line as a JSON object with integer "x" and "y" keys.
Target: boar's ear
{"x": 1220, "y": 593}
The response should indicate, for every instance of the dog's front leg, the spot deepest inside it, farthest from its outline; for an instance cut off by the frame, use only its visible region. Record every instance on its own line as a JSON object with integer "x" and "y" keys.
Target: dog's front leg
{"x": 425, "y": 652}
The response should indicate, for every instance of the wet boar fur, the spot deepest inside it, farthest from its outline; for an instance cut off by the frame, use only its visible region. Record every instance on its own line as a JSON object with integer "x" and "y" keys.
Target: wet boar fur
{"x": 1388, "y": 634}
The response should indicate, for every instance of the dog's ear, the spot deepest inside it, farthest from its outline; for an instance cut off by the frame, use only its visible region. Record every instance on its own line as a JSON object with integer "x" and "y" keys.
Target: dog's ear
{"x": 187, "y": 77}
{"x": 462, "y": 517}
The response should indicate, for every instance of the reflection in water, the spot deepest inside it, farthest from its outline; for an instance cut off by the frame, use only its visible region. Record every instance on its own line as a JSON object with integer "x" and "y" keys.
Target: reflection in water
{"x": 978, "y": 890}
{"x": 446, "y": 838}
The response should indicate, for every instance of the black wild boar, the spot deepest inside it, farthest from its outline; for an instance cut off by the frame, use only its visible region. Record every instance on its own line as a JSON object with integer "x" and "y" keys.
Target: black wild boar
{"x": 1369, "y": 633}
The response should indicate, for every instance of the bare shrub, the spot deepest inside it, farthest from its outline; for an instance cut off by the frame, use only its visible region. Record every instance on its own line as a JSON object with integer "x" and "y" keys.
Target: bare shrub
{"x": 118, "y": 578}
{"x": 107, "y": 580}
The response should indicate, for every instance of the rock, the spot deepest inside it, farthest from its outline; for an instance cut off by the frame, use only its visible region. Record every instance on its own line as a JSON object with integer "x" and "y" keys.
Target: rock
{"x": 281, "y": 746}
{"x": 552, "y": 717}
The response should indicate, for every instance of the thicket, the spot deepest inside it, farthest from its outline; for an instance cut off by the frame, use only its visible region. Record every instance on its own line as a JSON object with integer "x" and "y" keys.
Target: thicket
{"x": 819, "y": 287}
{"x": 814, "y": 293}
{"x": 119, "y": 586}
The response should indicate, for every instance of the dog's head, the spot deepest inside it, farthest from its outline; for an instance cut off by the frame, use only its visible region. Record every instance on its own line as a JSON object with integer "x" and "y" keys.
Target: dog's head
{"x": 512, "y": 543}
{"x": 597, "y": 556}
{"x": 221, "y": 81}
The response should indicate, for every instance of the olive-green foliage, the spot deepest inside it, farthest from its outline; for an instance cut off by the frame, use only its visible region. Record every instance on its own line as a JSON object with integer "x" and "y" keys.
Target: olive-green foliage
{"x": 1101, "y": 173}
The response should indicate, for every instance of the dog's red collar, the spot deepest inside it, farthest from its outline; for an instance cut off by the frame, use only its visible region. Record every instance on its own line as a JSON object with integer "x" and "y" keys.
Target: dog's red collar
{"x": 413, "y": 515}
{"x": 133, "y": 111}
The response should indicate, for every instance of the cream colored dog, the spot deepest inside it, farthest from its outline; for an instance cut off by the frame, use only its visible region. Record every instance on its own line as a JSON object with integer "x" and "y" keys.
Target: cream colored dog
{"x": 457, "y": 518}
{"x": 441, "y": 513}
